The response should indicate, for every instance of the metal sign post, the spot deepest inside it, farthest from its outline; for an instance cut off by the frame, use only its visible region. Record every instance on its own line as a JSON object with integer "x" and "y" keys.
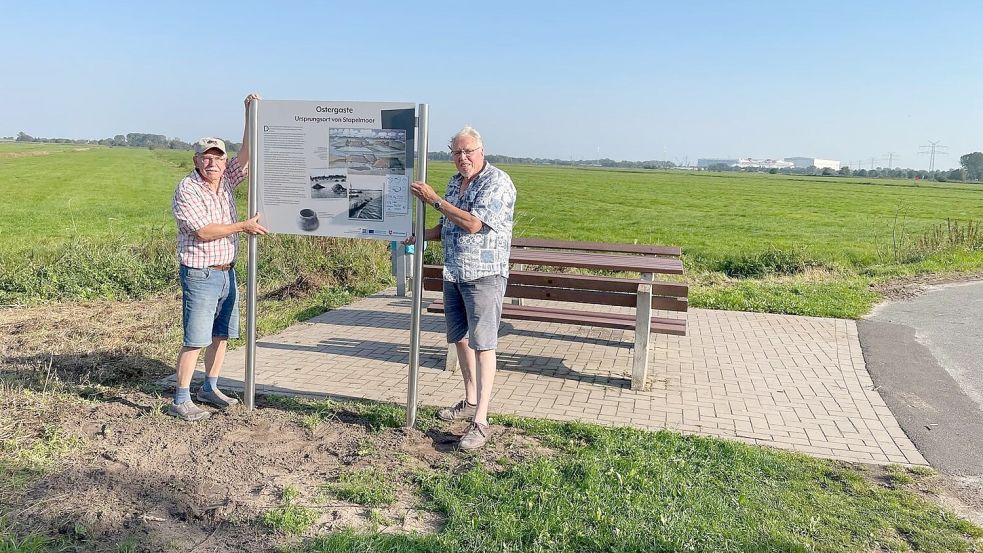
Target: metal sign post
{"x": 423, "y": 128}
{"x": 249, "y": 391}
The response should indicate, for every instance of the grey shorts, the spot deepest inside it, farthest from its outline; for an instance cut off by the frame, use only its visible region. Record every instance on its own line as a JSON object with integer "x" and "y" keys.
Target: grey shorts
{"x": 474, "y": 309}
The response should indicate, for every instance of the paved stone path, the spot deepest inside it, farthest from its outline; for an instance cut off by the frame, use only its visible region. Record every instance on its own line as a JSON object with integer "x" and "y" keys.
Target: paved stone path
{"x": 789, "y": 382}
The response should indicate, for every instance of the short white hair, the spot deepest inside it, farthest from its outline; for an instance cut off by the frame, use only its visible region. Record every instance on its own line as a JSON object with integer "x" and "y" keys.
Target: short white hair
{"x": 469, "y": 132}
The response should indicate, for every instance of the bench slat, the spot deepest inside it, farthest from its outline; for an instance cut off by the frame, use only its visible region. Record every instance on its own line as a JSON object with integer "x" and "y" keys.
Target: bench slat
{"x": 574, "y": 280}
{"x": 660, "y": 325}
{"x": 595, "y": 282}
{"x": 596, "y": 297}
{"x": 608, "y": 262}
{"x": 595, "y": 246}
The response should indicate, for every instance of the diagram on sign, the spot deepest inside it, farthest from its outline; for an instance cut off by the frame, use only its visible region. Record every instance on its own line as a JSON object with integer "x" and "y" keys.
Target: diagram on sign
{"x": 368, "y": 151}
{"x": 397, "y": 194}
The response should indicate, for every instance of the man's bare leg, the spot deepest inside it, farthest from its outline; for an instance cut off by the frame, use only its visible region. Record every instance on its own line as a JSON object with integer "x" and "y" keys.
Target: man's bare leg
{"x": 466, "y": 359}
{"x": 187, "y": 358}
{"x": 215, "y": 355}
{"x": 486, "y": 379}
{"x": 182, "y": 406}
{"x": 209, "y": 392}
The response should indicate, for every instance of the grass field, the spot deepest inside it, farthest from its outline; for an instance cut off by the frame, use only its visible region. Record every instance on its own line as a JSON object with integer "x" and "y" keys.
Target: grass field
{"x": 753, "y": 242}
{"x": 83, "y": 224}
{"x": 67, "y": 192}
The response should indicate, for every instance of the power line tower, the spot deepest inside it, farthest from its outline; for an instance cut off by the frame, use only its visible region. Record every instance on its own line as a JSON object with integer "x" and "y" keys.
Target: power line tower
{"x": 932, "y": 149}
{"x": 890, "y": 160}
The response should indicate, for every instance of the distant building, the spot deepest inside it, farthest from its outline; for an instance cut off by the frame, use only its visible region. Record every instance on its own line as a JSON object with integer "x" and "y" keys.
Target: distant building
{"x": 706, "y": 163}
{"x": 748, "y": 163}
{"x": 806, "y": 162}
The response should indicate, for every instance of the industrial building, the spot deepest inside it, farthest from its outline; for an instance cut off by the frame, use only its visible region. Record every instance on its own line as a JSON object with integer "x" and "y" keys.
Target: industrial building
{"x": 806, "y": 162}
{"x": 787, "y": 163}
{"x": 706, "y": 163}
{"x": 748, "y": 163}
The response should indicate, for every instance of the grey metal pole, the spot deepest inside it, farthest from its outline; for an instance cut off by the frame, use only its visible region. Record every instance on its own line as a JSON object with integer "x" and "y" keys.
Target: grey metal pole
{"x": 423, "y": 127}
{"x": 249, "y": 391}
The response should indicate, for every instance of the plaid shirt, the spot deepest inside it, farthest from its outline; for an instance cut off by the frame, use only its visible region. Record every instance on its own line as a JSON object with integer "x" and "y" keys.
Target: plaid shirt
{"x": 491, "y": 198}
{"x": 195, "y": 206}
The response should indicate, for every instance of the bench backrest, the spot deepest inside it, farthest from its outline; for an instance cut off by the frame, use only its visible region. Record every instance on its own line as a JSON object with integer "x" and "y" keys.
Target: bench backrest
{"x": 542, "y": 243}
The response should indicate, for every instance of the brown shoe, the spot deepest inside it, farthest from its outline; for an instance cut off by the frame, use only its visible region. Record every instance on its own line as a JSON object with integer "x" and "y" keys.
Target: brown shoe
{"x": 475, "y": 437}
{"x": 460, "y": 410}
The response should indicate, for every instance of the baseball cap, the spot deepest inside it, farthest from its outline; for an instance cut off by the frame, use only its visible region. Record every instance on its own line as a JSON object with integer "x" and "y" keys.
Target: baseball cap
{"x": 207, "y": 143}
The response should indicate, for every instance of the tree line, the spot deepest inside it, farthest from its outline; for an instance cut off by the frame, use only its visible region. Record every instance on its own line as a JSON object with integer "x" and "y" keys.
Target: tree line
{"x": 128, "y": 140}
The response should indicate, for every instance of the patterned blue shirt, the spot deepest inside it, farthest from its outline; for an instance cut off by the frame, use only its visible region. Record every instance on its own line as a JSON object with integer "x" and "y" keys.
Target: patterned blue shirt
{"x": 491, "y": 198}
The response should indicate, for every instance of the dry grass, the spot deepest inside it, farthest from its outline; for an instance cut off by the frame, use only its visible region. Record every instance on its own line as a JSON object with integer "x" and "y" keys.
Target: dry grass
{"x": 95, "y": 342}
{"x": 29, "y": 153}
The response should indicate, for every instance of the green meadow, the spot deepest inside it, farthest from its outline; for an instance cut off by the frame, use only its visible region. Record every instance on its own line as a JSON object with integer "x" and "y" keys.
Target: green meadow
{"x": 93, "y": 224}
{"x": 57, "y": 193}
{"x": 754, "y": 242}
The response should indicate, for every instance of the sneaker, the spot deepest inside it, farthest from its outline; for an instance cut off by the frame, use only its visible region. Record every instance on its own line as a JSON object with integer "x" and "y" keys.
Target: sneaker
{"x": 475, "y": 437}
{"x": 187, "y": 411}
{"x": 460, "y": 410}
{"x": 216, "y": 398}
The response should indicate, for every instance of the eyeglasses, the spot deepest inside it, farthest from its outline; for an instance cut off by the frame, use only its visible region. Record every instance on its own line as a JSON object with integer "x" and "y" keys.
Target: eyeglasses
{"x": 213, "y": 159}
{"x": 468, "y": 152}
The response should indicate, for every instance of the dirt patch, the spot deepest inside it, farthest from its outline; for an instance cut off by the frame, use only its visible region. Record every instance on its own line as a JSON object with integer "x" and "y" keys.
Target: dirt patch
{"x": 907, "y": 288}
{"x": 962, "y": 495}
{"x": 167, "y": 485}
{"x": 303, "y": 286}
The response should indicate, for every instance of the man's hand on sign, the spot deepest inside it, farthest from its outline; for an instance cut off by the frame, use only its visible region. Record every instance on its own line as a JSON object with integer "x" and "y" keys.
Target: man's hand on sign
{"x": 423, "y": 191}
{"x": 252, "y": 226}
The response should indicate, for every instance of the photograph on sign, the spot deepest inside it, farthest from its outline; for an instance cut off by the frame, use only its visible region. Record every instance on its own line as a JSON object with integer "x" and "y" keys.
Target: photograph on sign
{"x": 335, "y": 168}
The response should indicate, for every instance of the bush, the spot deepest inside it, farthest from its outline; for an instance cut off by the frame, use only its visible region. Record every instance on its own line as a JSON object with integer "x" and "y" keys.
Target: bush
{"x": 773, "y": 260}
{"x": 86, "y": 269}
{"x": 83, "y": 269}
{"x": 333, "y": 261}
{"x": 948, "y": 235}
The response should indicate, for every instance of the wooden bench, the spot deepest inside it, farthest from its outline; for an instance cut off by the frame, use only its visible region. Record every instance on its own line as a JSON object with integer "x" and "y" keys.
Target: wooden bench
{"x": 644, "y": 294}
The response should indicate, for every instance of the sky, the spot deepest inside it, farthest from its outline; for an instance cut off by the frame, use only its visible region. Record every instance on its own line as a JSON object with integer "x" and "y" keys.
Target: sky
{"x": 847, "y": 81}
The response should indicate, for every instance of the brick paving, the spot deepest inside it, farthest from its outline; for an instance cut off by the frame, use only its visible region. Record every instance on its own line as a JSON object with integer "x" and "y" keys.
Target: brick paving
{"x": 797, "y": 383}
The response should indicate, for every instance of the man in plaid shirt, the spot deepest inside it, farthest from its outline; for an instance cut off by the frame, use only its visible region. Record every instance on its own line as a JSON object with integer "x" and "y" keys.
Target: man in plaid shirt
{"x": 207, "y": 242}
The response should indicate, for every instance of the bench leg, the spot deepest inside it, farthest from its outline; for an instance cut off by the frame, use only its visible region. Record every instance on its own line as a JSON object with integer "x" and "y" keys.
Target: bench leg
{"x": 399, "y": 268}
{"x": 518, "y": 301}
{"x": 451, "y": 363}
{"x": 643, "y": 328}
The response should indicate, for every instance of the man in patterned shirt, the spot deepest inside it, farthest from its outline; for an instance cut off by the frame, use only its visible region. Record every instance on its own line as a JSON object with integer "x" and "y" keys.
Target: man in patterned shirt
{"x": 207, "y": 242}
{"x": 476, "y": 231}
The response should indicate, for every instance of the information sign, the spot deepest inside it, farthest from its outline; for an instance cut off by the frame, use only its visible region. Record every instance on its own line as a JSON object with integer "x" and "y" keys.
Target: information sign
{"x": 335, "y": 168}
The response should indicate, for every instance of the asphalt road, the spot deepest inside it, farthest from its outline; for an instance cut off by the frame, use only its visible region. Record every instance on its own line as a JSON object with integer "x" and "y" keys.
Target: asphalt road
{"x": 925, "y": 356}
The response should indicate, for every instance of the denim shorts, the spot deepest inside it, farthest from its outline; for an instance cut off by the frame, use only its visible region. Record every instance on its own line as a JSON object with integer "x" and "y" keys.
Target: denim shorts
{"x": 474, "y": 309}
{"x": 210, "y": 304}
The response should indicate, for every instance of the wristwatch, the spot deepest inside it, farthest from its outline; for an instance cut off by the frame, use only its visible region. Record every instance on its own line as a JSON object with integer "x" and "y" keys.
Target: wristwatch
{"x": 437, "y": 203}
